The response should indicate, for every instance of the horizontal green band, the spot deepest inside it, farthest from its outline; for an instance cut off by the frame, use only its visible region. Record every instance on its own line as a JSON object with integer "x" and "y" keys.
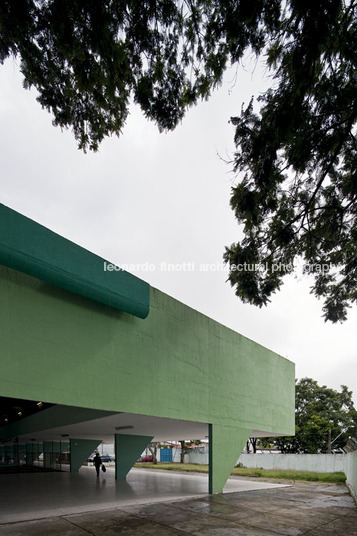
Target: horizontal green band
{"x": 29, "y": 247}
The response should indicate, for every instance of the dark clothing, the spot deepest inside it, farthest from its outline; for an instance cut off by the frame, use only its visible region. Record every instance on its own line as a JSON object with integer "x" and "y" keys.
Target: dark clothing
{"x": 97, "y": 461}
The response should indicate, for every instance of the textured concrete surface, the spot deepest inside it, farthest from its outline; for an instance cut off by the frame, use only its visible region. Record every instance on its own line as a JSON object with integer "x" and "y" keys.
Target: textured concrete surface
{"x": 25, "y": 497}
{"x": 302, "y": 508}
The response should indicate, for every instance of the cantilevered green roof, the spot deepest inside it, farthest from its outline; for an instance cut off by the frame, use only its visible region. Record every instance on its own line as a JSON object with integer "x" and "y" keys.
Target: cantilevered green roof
{"x": 29, "y": 247}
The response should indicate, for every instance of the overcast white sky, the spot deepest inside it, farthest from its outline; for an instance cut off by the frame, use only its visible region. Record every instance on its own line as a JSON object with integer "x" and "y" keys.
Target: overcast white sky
{"x": 149, "y": 198}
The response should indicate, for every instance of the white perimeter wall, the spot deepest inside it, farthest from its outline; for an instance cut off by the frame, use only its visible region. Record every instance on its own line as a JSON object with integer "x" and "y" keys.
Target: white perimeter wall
{"x": 198, "y": 457}
{"x": 320, "y": 463}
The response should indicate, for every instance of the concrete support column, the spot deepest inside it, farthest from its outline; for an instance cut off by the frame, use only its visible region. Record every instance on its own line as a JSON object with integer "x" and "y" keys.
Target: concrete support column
{"x": 81, "y": 449}
{"x": 127, "y": 450}
{"x": 225, "y": 446}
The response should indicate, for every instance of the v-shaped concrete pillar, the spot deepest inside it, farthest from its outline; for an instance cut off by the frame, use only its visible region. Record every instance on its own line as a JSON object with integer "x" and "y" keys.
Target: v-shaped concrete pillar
{"x": 225, "y": 446}
{"x": 80, "y": 450}
{"x": 127, "y": 450}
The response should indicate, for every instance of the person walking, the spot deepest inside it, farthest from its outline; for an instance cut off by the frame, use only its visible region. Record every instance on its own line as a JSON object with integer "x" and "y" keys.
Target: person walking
{"x": 97, "y": 461}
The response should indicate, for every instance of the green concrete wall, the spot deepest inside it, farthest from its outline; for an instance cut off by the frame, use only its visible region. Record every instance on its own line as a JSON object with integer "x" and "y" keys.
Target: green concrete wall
{"x": 62, "y": 348}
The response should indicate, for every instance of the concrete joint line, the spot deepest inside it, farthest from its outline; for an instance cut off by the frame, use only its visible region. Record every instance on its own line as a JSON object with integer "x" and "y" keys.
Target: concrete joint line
{"x": 323, "y": 524}
{"x": 78, "y": 526}
{"x": 160, "y": 522}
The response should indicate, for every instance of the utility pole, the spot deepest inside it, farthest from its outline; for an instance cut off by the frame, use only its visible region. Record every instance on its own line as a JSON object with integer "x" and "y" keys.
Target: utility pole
{"x": 329, "y": 442}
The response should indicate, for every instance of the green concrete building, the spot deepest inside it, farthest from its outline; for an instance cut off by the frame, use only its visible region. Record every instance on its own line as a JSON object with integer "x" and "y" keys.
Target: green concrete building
{"x": 112, "y": 359}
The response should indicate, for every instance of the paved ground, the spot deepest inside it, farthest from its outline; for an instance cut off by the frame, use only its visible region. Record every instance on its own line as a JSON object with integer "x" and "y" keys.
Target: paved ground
{"x": 302, "y": 508}
{"x": 25, "y": 497}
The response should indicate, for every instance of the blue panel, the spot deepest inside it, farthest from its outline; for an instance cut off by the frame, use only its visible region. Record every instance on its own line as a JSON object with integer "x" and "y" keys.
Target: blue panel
{"x": 165, "y": 455}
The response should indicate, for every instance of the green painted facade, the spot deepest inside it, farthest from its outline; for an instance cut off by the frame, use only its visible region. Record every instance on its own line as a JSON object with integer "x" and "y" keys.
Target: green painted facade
{"x": 62, "y": 348}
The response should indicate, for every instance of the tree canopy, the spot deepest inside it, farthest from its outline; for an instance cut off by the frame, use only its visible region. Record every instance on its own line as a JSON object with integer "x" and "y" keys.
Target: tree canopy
{"x": 322, "y": 415}
{"x": 87, "y": 58}
{"x": 296, "y": 144}
{"x": 297, "y": 158}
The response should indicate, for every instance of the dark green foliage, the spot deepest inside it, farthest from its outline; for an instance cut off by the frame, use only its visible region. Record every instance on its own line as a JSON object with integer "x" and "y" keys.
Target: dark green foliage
{"x": 296, "y": 149}
{"x": 297, "y": 159}
{"x": 87, "y": 58}
{"x": 318, "y": 410}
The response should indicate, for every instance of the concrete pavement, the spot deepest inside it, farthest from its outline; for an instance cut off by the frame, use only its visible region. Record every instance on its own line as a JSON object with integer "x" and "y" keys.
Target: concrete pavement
{"x": 159, "y": 503}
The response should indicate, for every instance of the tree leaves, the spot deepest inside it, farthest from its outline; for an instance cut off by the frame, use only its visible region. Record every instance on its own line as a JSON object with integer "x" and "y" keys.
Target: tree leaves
{"x": 297, "y": 160}
{"x": 296, "y": 156}
{"x": 88, "y": 58}
{"x": 318, "y": 410}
